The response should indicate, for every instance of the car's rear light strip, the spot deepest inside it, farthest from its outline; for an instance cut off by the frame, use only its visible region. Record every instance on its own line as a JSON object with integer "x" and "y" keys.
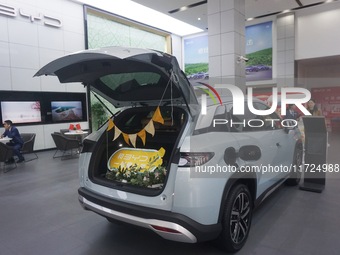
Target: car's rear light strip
{"x": 192, "y": 159}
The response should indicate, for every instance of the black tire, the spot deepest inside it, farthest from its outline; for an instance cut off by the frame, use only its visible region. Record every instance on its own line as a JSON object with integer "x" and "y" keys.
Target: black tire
{"x": 236, "y": 219}
{"x": 295, "y": 175}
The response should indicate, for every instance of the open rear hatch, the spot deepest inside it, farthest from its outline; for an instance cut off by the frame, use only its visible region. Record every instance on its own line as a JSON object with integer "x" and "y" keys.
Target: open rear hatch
{"x": 141, "y": 80}
{"x": 126, "y": 76}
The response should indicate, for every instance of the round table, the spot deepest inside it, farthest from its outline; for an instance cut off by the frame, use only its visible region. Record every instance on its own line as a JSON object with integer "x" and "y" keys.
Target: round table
{"x": 79, "y": 135}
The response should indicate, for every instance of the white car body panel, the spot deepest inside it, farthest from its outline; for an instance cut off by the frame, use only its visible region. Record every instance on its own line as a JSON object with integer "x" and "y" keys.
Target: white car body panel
{"x": 188, "y": 205}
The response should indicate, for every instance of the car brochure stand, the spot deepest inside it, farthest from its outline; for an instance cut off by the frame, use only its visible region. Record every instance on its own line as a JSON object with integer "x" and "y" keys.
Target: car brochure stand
{"x": 315, "y": 153}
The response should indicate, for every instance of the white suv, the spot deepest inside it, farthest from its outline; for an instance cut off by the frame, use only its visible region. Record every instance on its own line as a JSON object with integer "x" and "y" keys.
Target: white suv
{"x": 161, "y": 164}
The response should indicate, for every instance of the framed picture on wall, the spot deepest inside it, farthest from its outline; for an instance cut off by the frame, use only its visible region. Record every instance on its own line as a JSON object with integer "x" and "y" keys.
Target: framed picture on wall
{"x": 259, "y": 51}
{"x": 196, "y": 57}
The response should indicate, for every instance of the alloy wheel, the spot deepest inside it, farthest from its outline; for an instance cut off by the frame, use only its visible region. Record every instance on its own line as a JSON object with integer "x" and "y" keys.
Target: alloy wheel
{"x": 240, "y": 218}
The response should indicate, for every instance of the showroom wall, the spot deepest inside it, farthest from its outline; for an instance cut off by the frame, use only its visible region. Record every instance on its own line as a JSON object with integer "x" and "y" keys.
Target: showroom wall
{"x": 317, "y": 31}
{"x": 34, "y": 32}
{"x": 317, "y": 47}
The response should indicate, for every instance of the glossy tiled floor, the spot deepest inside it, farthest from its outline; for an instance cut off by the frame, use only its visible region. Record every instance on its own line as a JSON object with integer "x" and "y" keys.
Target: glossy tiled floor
{"x": 40, "y": 214}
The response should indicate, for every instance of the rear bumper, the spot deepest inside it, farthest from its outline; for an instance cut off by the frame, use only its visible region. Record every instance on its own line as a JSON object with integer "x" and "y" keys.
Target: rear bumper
{"x": 171, "y": 226}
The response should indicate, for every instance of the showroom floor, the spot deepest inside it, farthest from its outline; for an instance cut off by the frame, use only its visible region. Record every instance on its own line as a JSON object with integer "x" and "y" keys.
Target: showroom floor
{"x": 40, "y": 214}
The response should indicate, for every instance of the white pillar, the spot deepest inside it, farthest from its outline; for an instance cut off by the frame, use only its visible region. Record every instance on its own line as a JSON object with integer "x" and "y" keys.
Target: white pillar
{"x": 226, "y": 31}
{"x": 286, "y": 50}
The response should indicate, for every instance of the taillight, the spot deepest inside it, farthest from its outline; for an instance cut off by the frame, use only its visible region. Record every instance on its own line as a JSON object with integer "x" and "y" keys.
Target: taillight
{"x": 193, "y": 159}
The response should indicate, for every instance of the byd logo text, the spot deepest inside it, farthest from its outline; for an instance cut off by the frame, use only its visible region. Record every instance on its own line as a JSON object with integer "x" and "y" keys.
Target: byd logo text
{"x": 238, "y": 99}
{"x": 11, "y": 11}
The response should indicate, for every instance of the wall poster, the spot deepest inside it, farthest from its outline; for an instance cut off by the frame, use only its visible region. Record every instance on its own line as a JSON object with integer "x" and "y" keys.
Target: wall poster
{"x": 196, "y": 57}
{"x": 259, "y": 51}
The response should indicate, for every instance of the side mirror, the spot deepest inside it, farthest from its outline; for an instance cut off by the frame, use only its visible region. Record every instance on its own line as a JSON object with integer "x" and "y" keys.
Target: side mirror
{"x": 291, "y": 125}
{"x": 287, "y": 129}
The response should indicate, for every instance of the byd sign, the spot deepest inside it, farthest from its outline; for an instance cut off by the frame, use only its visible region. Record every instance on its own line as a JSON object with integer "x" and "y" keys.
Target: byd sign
{"x": 238, "y": 100}
{"x": 11, "y": 11}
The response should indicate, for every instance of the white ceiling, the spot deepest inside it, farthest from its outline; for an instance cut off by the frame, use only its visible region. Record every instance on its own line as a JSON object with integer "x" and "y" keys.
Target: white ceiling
{"x": 253, "y": 8}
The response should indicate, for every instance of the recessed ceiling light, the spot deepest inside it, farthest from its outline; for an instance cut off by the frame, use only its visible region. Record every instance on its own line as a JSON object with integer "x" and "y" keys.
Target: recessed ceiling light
{"x": 183, "y": 8}
{"x": 198, "y": 18}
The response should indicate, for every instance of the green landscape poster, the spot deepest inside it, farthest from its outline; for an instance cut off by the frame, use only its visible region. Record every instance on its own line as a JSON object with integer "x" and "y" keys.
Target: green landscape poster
{"x": 259, "y": 51}
{"x": 196, "y": 57}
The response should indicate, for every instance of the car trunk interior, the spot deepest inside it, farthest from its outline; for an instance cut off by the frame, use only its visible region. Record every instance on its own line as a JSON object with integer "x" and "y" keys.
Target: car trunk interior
{"x": 132, "y": 121}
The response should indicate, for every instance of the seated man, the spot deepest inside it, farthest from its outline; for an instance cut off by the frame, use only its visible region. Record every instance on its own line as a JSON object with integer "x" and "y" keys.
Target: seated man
{"x": 16, "y": 142}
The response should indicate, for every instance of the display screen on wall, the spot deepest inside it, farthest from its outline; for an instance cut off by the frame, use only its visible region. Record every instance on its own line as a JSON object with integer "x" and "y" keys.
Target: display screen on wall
{"x": 35, "y": 108}
{"x": 196, "y": 57}
{"x": 259, "y": 51}
{"x": 66, "y": 111}
{"x": 20, "y": 111}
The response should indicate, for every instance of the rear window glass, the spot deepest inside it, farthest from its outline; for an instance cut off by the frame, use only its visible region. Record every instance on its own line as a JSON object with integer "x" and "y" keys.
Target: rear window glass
{"x": 113, "y": 81}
